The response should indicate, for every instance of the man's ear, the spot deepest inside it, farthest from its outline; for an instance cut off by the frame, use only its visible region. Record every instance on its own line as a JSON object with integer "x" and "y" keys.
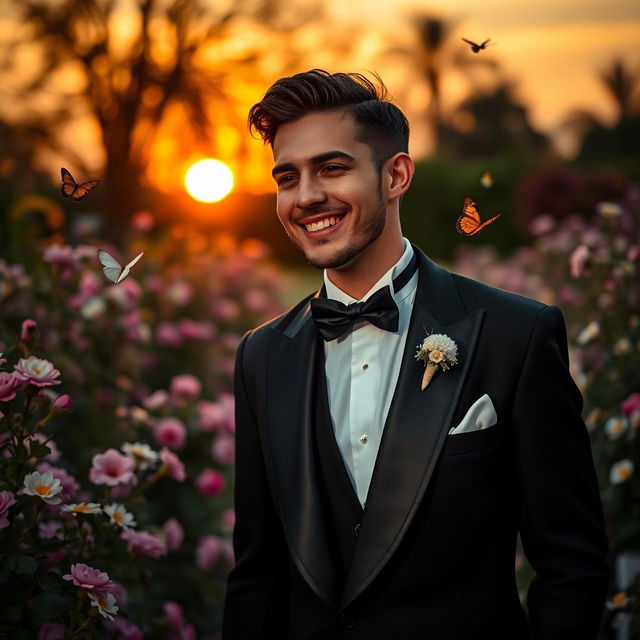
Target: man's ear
{"x": 397, "y": 174}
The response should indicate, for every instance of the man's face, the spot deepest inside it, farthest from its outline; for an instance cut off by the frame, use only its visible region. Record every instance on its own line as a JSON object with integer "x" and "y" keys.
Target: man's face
{"x": 329, "y": 196}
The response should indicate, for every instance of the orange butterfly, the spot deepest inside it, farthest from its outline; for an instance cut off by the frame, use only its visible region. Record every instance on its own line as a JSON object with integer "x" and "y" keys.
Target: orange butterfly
{"x": 469, "y": 222}
{"x": 71, "y": 189}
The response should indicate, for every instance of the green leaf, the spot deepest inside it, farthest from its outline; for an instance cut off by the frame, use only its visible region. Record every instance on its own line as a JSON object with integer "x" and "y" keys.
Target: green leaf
{"x": 49, "y": 546}
{"x": 22, "y": 564}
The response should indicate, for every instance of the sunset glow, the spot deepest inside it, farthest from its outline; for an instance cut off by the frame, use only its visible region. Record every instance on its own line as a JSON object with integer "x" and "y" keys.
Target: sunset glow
{"x": 209, "y": 180}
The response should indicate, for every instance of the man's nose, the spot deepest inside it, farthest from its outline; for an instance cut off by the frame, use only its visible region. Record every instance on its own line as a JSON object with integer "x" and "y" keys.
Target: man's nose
{"x": 310, "y": 193}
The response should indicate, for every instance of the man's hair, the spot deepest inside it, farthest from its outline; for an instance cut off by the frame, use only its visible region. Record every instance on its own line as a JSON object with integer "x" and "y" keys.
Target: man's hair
{"x": 379, "y": 124}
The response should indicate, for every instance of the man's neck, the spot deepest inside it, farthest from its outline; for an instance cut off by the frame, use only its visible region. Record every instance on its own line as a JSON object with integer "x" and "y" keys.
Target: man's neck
{"x": 366, "y": 269}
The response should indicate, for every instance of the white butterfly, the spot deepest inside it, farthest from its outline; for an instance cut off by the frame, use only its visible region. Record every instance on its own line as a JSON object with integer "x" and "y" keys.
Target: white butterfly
{"x": 113, "y": 269}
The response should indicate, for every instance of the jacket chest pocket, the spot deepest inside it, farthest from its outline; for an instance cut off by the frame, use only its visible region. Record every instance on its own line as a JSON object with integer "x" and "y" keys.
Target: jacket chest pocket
{"x": 475, "y": 441}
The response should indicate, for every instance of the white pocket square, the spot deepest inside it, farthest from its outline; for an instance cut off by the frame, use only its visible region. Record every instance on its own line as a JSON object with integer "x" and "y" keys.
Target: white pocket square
{"x": 481, "y": 415}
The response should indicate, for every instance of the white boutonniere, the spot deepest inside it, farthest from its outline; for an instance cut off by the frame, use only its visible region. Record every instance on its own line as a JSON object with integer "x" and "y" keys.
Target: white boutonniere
{"x": 437, "y": 351}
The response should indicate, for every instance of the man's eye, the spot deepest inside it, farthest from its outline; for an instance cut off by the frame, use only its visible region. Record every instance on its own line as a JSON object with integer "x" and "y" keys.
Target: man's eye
{"x": 284, "y": 179}
{"x": 333, "y": 167}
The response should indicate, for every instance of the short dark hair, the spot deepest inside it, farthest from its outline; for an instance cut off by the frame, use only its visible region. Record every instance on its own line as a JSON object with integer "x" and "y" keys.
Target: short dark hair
{"x": 379, "y": 123}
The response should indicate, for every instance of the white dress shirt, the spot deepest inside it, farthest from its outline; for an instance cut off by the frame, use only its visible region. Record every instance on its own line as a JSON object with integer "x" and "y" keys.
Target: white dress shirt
{"x": 362, "y": 368}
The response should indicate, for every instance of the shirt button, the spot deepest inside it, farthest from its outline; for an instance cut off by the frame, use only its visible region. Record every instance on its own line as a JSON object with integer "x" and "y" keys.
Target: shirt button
{"x": 364, "y": 439}
{"x": 364, "y": 366}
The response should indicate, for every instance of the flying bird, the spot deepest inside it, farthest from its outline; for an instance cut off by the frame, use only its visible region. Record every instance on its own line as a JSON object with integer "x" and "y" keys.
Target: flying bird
{"x": 476, "y": 48}
{"x": 469, "y": 222}
{"x": 113, "y": 269}
{"x": 71, "y": 189}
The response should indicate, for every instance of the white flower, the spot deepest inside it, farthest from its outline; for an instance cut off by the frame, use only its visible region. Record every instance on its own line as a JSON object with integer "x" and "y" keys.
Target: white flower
{"x": 95, "y": 307}
{"x": 43, "y": 485}
{"x": 588, "y": 333}
{"x": 622, "y": 346}
{"x": 144, "y": 455}
{"x": 119, "y": 515}
{"x": 620, "y": 471}
{"x": 615, "y": 427}
{"x": 82, "y": 507}
{"x": 106, "y": 603}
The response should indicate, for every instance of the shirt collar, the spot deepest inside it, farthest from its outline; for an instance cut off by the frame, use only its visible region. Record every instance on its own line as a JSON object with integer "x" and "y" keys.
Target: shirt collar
{"x": 334, "y": 293}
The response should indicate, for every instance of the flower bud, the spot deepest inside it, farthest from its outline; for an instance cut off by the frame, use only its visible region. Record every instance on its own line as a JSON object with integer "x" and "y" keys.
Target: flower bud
{"x": 61, "y": 405}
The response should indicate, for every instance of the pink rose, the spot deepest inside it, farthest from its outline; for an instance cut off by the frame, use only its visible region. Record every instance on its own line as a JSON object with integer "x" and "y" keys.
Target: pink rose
{"x": 208, "y": 551}
{"x": 217, "y": 415}
{"x": 631, "y": 404}
{"x": 7, "y": 500}
{"x": 112, "y": 468}
{"x": 156, "y": 400}
{"x": 143, "y": 542}
{"x": 170, "y": 432}
{"x": 86, "y": 577}
{"x": 37, "y": 372}
{"x": 173, "y": 464}
{"x": 184, "y": 388}
{"x": 8, "y": 384}
{"x": 173, "y": 534}
{"x": 210, "y": 482}
{"x": 223, "y": 449}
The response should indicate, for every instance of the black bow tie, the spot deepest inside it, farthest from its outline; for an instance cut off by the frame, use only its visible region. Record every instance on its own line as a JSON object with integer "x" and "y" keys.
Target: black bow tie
{"x": 334, "y": 318}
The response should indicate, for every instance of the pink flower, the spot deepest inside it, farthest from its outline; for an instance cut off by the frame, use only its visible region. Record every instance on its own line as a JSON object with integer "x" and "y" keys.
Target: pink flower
{"x": 173, "y": 534}
{"x": 217, "y": 415}
{"x": 7, "y": 500}
{"x": 192, "y": 330}
{"x": 170, "y": 432}
{"x": 579, "y": 260}
{"x": 86, "y": 577}
{"x": 61, "y": 405}
{"x": 51, "y": 631}
{"x": 173, "y": 464}
{"x": 631, "y": 404}
{"x": 173, "y": 614}
{"x": 168, "y": 335}
{"x": 180, "y": 292}
{"x": 8, "y": 384}
{"x": 143, "y": 542}
{"x": 122, "y": 597}
{"x": 40, "y": 373}
{"x": 51, "y": 529}
{"x": 156, "y": 400}
{"x": 223, "y": 449}
{"x": 228, "y": 519}
{"x": 29, "y": 331}
{"x": 184, "y": 388}
{"x": 208, "y": 551}
{"x": 90, "y": 284}
{"x": 122, "y": 628}
{"x": 61, "y": 256}
{"x": 210, "y": 482}
{"x": 143, "y": 221}
{"x": 112, "y": 468}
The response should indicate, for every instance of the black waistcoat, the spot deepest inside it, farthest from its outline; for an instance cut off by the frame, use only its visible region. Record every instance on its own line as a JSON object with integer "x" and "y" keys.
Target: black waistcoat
{"x": 342, "y": 508}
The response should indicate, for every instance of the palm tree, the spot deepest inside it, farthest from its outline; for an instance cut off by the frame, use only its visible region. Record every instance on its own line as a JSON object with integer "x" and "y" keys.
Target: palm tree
{"x": 621, "y": 83}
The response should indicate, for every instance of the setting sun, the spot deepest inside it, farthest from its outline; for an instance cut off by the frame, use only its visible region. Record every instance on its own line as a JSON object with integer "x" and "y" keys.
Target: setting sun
{"x": 209, "y": 180}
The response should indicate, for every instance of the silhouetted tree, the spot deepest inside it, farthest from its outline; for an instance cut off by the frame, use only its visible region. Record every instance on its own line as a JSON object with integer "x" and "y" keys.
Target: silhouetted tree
{"x": 127, "y": 66}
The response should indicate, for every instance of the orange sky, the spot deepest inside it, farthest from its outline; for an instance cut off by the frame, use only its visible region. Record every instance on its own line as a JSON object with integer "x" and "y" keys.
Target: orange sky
{"x": 553, "y": 48}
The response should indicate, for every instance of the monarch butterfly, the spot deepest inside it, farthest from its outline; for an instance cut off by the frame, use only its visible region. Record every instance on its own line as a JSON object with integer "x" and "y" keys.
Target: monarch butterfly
{"x": 476, "y": 48}
{"x": 469, "y": 222}
{"x": 113, "y": 269}
{"x": 71, "y": 189}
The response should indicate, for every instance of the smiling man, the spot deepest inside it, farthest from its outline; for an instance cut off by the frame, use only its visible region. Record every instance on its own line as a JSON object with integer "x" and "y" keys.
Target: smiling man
{"x": 369, "y": 506}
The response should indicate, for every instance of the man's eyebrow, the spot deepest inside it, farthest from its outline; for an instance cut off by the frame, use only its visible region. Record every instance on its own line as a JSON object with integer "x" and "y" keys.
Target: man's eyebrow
{"x": 322, "y": 157}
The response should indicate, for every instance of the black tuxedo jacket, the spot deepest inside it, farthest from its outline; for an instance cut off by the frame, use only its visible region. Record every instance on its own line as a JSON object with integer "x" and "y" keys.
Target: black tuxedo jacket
{"x": 435, "y": 553}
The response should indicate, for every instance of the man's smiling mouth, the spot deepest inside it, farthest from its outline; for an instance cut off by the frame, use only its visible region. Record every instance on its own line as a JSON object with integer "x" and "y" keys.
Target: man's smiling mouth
{"x": 321, "y": 224}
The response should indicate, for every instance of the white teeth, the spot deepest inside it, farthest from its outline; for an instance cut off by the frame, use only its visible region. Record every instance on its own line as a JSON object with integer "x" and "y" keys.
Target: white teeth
{"x": 321, "y": 224}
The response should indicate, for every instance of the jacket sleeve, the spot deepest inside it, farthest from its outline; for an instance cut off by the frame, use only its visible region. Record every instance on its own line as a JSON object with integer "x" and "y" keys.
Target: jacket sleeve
{"x": 560, "y": 513}
{"x": 257, "y": 587}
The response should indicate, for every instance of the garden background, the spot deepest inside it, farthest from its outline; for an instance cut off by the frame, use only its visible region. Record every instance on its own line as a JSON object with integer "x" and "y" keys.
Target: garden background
{"x": 116, "y": 406}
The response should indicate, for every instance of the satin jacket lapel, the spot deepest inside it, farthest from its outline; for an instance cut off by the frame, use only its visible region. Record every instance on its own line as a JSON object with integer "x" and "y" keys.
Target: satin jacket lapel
{"x": 416, "y": 426}
{"x": 289, "y": 400}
